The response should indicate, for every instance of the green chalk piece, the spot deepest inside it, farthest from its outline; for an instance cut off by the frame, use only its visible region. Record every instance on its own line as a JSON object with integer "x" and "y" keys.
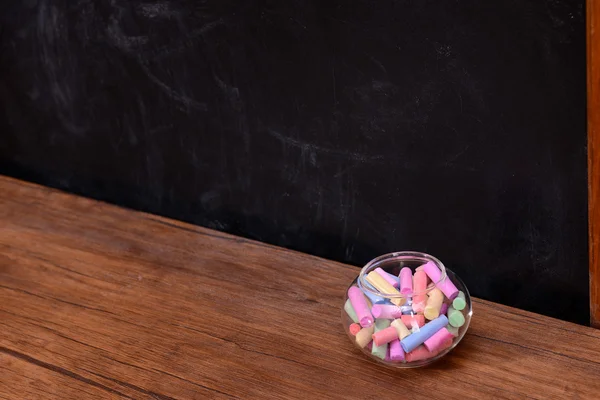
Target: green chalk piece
{"x": 459, "y": 302}
{"x": 380, "y": 351}
{"x": 453, "y": 330}
{"x": 350, "y": 311}
{"x": 456, "y": 318}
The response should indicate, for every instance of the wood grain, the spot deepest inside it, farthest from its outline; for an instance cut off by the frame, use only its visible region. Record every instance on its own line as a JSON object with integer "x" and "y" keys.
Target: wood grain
{"x": 101, "y": 302}
{"x": 593, "y": 70}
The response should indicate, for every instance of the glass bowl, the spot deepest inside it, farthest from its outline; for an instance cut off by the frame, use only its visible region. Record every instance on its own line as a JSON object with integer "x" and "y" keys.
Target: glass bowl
{"x": 406, "y": 309}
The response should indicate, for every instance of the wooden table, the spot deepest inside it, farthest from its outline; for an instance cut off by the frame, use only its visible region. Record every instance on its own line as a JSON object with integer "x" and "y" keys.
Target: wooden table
{"x": 101, "y": 302}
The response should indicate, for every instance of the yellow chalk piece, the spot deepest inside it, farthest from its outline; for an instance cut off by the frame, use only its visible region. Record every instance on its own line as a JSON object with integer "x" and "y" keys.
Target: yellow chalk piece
{"x": 434, "y": 303}
{"x": 384, "y": 287}
{"x": 364, "y": 336}
{"x": 401, "y": 328}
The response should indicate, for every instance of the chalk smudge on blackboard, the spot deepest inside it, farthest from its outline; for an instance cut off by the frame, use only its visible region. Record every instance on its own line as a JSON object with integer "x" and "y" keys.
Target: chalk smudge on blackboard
{"x": 156, "y": 10}
{"x": 313, "y": 148}
{"x": 172, "y": 93}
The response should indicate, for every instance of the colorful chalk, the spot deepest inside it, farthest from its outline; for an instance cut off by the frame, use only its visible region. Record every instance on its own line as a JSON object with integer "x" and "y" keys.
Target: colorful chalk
{"x": 419, "y": 287}
{"x": 452, "y": 329}
{"x": 359, "y": 303}
{"x": 364, "y": 336}
{"x": 410, "y": 342}
{"x": 401, "y": 329}
{"x": 350, "y": 311}
{"x": 406, "y": 281}
{"x": 384, "y": 336}
{"x": 456, "y": 318}
{"x": 380, "y": 351}
{"x": 354, "y": 328}
{"x": 396, "y": 352}
{"x": 406, "y": 319}
{"x": 434, "y": 304}
{"x": 459, "y": 303}
{"x": 445, "y": 285}
{"x": 412, "y": 320}
{"x": 385, "y": 288}
{"x": 444, "y": 309}
{"x": 373, "y": 298}
{"x": 421, "y": 352}
{"x": 438, "y": 339}
{"x": 391, "y": 279}
{"x": 386, "y": 311}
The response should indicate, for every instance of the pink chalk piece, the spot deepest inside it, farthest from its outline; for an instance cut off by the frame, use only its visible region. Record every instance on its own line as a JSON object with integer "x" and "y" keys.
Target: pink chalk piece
{"x": 359, "y": 303}
{"x": 354, "y": 329}
{"x": 438, "y": 339}
{"x": 369, "y": 346}
{"x": 396, "y": 351}
{"x": 419, "y": 286}
{"x": 418, "y": 354}
{"x": 385, "y": 336}
{"x": 444, "y": 309}
{"x": 406, "y": 281}
{"x": 411, "y": 320}
{"x": 389, "y": 278}
{"x": 446, "y": 286}
{"x": 387, "y": 355}
{"x": 421, "y": 352}
{"x": 386, "y": 311}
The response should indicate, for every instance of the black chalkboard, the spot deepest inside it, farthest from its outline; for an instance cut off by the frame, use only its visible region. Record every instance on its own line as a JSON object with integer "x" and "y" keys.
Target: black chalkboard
{"x": 341, "y": 129}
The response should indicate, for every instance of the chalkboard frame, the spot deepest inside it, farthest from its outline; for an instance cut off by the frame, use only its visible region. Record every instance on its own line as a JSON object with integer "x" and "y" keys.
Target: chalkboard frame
{"x": 593, "y": 84}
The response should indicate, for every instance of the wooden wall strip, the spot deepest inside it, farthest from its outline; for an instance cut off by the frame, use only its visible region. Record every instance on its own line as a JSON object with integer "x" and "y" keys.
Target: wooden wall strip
{"x": 593, "y": 69}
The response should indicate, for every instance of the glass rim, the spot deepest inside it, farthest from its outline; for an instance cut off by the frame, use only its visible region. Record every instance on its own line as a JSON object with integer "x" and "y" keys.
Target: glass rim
{"x": 400, "y": 256}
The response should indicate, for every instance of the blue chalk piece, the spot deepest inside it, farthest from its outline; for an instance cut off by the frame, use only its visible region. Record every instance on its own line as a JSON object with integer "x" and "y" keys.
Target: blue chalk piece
{"x": 373, "y": 297}
{"x": 411, "y": 342}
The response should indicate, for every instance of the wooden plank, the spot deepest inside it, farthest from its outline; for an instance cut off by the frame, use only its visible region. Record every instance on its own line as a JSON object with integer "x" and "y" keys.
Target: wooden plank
{"x": 120, "y": 303}
{"x": 593, "y": 70}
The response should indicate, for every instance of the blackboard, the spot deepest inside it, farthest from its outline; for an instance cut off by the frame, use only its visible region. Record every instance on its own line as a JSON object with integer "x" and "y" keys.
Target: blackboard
{"x": 341, "y": 129}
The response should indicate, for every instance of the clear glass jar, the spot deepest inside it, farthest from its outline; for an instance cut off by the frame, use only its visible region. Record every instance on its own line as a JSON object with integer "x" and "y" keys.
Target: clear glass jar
{"x": 406, "y": 309}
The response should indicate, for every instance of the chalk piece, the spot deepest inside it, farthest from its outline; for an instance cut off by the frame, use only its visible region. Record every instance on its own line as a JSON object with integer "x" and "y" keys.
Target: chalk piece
{"x": 391, "y": 279}
{"x": 456, "y": 318}
{"x": 459, "y": 303}
{"x": 435, "y": 342}
{"x": 364, "y": 336}
{"x": 401, "y": 329}
{"x": 362, "y": 309}
{"x": 386, "y": 311}
{"x": 412, "y": 320}
{"x": 446, "y": 285}
{"x": 434, "y": 304}
{"x": 444, "y": 309}
{"x": 453, "y": 330}
{"x": 385, "y": 288}
{"x": 419, "y": 286}
{"x": 380, "y": 351}
{"x": 384, "y": 336}
{"x": 350, "y": 311}
{"x": 396, "y": 352}
{"x": 410, "y": 342}
{"x": 406, "y": 281}
{"x": 354, "y": 329}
